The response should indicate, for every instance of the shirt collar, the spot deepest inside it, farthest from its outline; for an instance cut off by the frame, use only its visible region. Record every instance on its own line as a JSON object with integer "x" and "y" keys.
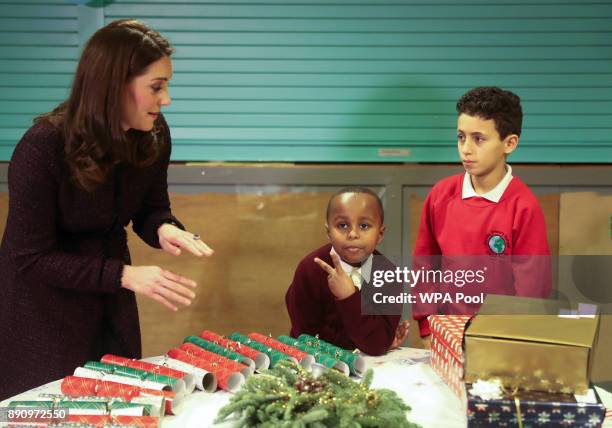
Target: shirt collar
{"x": 493, "y": 195}
{"x": 364, "y": 270}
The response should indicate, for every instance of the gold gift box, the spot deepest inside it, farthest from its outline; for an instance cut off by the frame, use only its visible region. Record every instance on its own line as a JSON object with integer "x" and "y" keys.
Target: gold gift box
{"x": 527, "y": 345}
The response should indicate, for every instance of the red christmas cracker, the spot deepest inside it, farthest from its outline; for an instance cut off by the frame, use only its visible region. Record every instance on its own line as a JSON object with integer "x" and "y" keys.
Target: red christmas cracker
{"x": 230, "y": 344}
{"x": 298, "y": 354}
{"x": 220, "y": 360}
{"x": 103, "y": 420}
{"x": 96, "y": 420}
{"x": 79, "y": 386}
{"x": 115, "y": 389}
{"x": 141, "y": 365}
{"x": 446, "y": 349}
{"x": 223, "y": 375}
{"x": 75, "y": 386}
{"x": 136, "y": 421}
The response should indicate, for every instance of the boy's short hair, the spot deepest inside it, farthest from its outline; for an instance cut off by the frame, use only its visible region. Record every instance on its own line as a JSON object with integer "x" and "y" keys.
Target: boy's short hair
{"x": 357, "y": 189}
{"x": 491, "y": 102}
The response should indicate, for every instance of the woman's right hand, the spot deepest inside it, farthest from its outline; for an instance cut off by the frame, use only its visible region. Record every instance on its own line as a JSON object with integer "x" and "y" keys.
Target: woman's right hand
{"x": 159, "y": 284}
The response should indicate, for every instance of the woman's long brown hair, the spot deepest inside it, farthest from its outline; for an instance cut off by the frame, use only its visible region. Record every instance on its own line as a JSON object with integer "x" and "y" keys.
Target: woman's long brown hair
{"x": 90, "y": 119}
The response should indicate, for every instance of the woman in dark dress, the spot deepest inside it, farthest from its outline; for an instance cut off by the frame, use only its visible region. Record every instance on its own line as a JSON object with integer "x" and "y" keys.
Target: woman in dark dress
{"x": 78, "y": 176}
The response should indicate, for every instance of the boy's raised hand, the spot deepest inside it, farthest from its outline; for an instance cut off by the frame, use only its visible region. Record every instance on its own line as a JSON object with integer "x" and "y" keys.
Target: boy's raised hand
{"x": 401, "y": 332}
{"x": 338, "y": 280}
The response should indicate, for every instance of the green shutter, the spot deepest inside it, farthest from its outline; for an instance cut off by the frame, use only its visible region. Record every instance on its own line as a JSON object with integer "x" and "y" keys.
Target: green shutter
{"x": 340, "y": 80}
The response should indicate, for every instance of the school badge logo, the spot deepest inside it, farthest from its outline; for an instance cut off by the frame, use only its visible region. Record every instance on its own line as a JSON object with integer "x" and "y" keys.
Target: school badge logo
{"x": 497, "y": 243}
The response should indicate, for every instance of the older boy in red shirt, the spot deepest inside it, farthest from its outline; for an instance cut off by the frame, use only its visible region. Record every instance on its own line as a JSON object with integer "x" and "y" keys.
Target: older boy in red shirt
{"x": 486, "y": 211}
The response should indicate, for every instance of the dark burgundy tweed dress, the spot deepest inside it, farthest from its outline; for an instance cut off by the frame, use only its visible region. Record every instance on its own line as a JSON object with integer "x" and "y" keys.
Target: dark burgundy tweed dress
{"x": 61, "y": 260}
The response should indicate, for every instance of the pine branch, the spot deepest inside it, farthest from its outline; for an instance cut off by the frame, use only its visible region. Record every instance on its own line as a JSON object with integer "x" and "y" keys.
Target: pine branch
{"x": 289, "y": 396}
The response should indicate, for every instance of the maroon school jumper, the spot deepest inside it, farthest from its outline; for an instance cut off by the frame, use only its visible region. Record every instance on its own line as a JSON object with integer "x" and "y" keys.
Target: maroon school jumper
{"x": 313, "y": 309}
{"x": 61, "y": 261}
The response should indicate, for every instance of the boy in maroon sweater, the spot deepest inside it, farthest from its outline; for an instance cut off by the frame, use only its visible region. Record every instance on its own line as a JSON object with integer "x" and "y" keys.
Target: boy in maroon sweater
{"x": 325, "y": 295}
{"x": 486, "y": 211}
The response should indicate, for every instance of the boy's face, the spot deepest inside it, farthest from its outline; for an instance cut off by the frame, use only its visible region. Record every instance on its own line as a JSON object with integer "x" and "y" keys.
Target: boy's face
{"x": 354, "y": 226}
{"x": 481, "y": 149}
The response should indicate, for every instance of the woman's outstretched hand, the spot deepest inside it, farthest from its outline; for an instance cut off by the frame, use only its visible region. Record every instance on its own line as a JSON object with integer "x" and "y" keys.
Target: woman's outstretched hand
{"x": 159, "y": 284}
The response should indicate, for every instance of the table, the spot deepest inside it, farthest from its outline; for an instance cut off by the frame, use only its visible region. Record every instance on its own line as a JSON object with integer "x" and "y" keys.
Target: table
{"x": 404, "y": 370}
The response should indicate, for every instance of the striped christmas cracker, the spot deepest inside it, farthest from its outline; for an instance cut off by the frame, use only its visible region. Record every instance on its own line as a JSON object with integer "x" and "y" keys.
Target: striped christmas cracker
{"x": 226, "y": 379}
{"x": 275, "y": 356}
{"x": 224, "y": 352}
{"x": 262, "y": 361}
{"x": 187, "y": 378}
{"x": 321, "y": 357}
{"x": 304, "y": 358}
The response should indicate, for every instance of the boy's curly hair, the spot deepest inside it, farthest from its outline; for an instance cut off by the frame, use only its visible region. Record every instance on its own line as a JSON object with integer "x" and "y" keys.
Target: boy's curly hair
{"x": 491, "y": 102}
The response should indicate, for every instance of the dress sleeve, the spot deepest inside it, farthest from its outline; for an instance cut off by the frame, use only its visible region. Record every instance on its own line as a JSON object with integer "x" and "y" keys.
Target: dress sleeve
{"x": 31, "y": 239}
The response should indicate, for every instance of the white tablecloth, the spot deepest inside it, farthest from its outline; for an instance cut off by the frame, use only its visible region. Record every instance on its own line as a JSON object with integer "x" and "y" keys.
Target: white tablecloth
{"x": 402, "y": 370}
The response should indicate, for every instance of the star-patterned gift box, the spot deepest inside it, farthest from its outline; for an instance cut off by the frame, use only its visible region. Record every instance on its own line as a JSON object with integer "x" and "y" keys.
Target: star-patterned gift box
{"x": 535, "y": 409}
{"x": 446, "y": 349}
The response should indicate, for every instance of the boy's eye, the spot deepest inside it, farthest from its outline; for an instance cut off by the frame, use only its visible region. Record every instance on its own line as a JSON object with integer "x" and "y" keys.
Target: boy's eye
{"x": 460, "y": 137}
{"x": 342, "y": 225}
{"x": 479, "y": 139}
{"x": 364, "y": 226}
{"x": 156, "y": 88}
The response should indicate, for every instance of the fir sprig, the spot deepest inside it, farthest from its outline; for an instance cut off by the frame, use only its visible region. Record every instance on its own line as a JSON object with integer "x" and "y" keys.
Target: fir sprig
{"x": 289, "y": 396}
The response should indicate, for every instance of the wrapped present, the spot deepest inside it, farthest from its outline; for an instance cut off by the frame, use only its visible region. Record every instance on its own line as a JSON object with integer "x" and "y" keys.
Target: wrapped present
{"x": 532, "y": 408}
{"x": 531, "y": 344}
{"x": 446, "y": 349}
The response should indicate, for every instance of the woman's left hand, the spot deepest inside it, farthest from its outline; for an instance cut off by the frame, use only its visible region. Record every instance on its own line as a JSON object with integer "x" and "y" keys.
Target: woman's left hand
{"x": 172, "y": 240}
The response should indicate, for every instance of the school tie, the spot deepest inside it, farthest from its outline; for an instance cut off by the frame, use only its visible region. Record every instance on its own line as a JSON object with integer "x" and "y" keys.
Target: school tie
{"x": 356, "y": 277}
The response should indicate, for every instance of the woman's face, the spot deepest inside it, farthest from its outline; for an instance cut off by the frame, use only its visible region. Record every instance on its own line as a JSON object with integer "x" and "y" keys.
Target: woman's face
{"x": 145, "y": 95}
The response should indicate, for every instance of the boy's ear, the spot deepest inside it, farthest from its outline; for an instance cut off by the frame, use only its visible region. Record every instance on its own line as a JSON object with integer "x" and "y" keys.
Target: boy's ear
{"x": 381, "y": 234}
{"x": 510, "y": 143}
{"x": 327, "y": 229}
